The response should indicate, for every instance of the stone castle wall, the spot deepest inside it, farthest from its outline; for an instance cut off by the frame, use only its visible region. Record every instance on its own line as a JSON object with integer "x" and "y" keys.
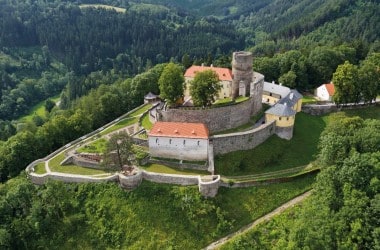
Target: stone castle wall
{"x": 285, "y": 132}
{"x": 184, "y": 180}
{"x": 216, "y": 119}
{"x": 243, "y": 140}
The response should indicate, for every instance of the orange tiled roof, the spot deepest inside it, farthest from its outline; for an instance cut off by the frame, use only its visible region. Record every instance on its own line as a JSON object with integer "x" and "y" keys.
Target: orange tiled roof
{"x": 330, "y": 88}
{"x": 224, "y": 74}
{"x": 179, "y": 129}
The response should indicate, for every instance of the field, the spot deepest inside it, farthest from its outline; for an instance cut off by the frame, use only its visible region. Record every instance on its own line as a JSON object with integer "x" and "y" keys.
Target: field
{"x": 38, "y": 109}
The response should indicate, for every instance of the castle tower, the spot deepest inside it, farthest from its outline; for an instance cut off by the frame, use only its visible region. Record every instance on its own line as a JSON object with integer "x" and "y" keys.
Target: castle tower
{"x": 242, "y": 73}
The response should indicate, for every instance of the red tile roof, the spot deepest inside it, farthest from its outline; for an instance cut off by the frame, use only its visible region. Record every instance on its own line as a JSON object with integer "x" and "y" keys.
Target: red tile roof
{"x": 330, "y": 88}
{"x": 224, "y": 74}
{"x": 179, "y": 129}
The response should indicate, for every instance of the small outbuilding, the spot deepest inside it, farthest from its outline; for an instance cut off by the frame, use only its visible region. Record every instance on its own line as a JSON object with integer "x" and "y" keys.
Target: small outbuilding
{"x": 176, "y": 140}
{"x": 325, "y": 92}
{"x": 151, "y": 98}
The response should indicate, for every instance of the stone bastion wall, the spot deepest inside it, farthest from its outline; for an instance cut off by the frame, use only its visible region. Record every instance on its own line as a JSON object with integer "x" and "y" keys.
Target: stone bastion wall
{"x": 242, "y": 140}
{"x": 216, "y": 118}
{"x": 208, "y": 188}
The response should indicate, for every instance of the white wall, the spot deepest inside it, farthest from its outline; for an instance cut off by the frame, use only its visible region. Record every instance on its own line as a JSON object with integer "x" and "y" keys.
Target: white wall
{"x": 322, "y": 93}
{"x": 167, "y": 147}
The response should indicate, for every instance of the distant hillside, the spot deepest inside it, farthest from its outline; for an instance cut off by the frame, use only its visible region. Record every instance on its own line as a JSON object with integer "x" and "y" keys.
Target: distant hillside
{"x": 316, "y": 21}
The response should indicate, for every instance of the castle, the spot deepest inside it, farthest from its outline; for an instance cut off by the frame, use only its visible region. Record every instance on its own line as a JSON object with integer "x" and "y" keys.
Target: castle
{"x": 193, "y": 136}
{"x": 189, "y": 134}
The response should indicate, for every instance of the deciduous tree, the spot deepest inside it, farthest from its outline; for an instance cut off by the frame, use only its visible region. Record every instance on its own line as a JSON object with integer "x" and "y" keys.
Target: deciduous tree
{"x": 204, "y": 88}
{"x": 171, "y": 83}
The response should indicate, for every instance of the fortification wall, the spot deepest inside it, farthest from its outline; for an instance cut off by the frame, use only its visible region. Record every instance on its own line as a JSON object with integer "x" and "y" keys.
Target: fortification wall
{"x": 69, "y": 178}
{"x": 184, "y": 180}
{"x": 208, "y": 186}
{"x": 131, "y": 181}
{"x": 216, "y": 119}
{"x": 319, "y": 109}
{"x": 284, "y": 132}
{"x": 243, "y": 140}
{"x": 183, "y": 165}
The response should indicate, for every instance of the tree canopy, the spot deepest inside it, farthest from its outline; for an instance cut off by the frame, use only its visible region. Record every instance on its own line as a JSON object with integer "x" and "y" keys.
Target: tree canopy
{"x": 171, "y": 83}
{"x": 204, "y": 88}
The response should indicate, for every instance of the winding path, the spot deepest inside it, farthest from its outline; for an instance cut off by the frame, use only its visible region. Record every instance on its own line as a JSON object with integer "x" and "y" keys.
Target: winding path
{"x": 264, "y": 218}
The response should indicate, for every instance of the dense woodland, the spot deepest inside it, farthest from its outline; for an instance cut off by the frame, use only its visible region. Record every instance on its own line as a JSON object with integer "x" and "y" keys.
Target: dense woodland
{"x": 93, "y": 58}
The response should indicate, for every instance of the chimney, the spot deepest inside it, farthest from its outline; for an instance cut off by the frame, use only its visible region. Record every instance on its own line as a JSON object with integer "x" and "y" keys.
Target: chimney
{"x": 203, "y": 64}
{"x": 212, "y": 65}
{"x": 291, "y": 96}
{"x": 272, "y": 82}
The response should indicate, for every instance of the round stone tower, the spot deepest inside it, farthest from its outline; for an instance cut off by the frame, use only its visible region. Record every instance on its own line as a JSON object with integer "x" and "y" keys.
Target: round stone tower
{"x": 242, "y": 73}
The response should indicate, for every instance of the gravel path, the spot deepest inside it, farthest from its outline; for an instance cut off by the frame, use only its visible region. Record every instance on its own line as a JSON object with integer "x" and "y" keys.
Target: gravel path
{"x": 264, "y": 218}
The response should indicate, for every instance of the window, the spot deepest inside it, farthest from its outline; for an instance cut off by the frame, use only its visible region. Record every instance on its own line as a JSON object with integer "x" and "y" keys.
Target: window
{"x": 287, "y": 118}
{"x": 170, "y": 141}
{"x": 198, "y": 143}
{"x": 184, "y": 141}
{"x": 156, "y": 140}
{"x": 279, "y": 118}
{"x": 270, "y": 94}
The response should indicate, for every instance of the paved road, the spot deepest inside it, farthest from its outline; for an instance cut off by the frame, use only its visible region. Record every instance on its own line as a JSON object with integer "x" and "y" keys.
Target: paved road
{"x": 266, "y": 217}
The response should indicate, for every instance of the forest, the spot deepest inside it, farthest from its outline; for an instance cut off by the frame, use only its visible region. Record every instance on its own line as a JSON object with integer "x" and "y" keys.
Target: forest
{"x": 93, "y": 58}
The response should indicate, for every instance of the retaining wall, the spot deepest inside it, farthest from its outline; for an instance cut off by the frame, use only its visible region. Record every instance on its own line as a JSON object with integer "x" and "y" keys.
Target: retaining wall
{"x": 69, "y": 178}
{"x": 180, "y": 165}
{"x": 243, "y": 140}
{"x": 184, "y": 180}
{"x": 316, "y": 109}
{"x": 319, "y": 109}
{"x": 217, "y": 118}
{"x": 265, "y": 182}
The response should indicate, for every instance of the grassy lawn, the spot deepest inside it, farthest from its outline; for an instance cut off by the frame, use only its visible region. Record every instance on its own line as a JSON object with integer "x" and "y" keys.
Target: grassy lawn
{"x": 146, "y": 122}
{"x": 55, "y": 166}
{"x": 129, "y": 120}
{"x": 40, "y": 168}
{"x": 247, "y": 204}
{"x": 226, "y": 101}
{"x": 157, "y": 168}
{"x": 97, "y": 146}
{"x": 278, "y": 154}
{"x": 275, "y": 153}
{"x": 365, "y": 113}
{"x": 140, "y": 110}
{"x": 309, "y": 99}
{"x": 38, "y": 109}
{"x": 267, "y": 233}
{"x": 121, "y": 124}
